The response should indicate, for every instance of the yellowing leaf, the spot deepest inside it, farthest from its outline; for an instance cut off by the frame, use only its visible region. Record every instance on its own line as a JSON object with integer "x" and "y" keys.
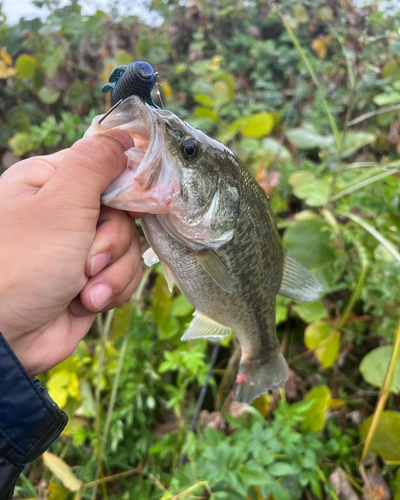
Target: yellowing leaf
{"x": 262, "y": 404}
{"x": 63, "y": 384}
{"x": 57, "y": 492}
{"x": 62, "y": 471}
{"x": 167, "y": 90}
{"x": 324, "y": 340}
{"x": 258, "y": 125}
{"x": 386, "y": 440}
{"x": 320, "y": 45}
{"x": 335, "y": 403}
{"x": 315, "y": 415}
{"x": 6, "y": 71}
{"x": 5, "y": 56}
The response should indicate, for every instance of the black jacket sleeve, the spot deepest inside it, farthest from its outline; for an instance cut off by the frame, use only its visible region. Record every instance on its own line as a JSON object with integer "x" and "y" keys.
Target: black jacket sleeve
{"x": 29, "y": 419}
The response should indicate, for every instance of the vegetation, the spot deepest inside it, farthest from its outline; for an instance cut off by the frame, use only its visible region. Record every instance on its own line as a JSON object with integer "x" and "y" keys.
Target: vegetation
{"x": 308, "y": 95}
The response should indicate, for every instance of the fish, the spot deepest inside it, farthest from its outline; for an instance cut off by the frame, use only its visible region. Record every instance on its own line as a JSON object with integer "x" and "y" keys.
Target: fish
{"x": 211, "y": 226}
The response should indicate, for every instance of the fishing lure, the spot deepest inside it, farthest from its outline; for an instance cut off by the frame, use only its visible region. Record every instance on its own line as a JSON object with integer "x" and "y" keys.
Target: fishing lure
{"x": 137, "y": 78}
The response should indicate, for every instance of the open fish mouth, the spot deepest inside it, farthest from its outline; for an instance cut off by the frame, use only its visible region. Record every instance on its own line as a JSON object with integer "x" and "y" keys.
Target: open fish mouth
{"x": 151, "y": 180}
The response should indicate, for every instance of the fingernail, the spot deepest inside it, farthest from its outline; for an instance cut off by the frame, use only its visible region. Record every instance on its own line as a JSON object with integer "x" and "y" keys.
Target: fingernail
{"x": 121, "y": 137}
{"x": 99, "y": 262}
{"x": 100, "y": 295}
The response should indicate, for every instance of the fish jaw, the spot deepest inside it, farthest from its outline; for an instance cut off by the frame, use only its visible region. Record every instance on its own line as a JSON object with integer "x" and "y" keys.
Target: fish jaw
{"x": 151, "y": 181}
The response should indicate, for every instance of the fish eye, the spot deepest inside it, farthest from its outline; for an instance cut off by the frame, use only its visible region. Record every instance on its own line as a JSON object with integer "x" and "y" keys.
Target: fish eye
{"x": 189, "y": 149}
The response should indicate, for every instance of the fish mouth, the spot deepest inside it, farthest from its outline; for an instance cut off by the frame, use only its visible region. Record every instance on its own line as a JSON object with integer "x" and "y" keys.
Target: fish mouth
{"x": 151, "y": 180}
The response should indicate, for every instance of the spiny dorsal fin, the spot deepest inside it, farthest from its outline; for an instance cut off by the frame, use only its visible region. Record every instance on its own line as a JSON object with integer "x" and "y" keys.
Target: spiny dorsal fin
{"x": 150, "y": 257}
{"x": 203, "y": 327}
{"x": 298, "y": 282}
{"x": 216, "y": 269}
{"x": 169, "y": 276}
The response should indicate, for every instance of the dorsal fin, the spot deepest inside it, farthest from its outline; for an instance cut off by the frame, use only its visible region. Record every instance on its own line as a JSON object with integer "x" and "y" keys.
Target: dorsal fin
{"x": 203, "y": 327}
{"x": 298, "y": 282}
{"x": 216, "y": 269}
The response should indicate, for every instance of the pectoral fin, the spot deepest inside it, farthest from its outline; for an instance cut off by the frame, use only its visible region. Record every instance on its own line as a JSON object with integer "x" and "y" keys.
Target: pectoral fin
{"x": 216, "y": 269}
{"x": 298, "y": 283}
{"x": 150, "y": 258}
{"x": 203, "y": 327}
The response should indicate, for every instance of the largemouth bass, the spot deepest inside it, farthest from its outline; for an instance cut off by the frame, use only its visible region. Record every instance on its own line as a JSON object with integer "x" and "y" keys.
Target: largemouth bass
{"x": 212, "y": 228}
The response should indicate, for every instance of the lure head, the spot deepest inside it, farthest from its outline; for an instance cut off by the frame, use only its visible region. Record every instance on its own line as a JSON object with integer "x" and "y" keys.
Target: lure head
{"x": 137, "y": 78}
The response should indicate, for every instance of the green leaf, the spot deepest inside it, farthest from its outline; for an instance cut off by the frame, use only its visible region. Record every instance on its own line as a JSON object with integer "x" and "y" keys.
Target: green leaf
{"x": 306, "y": 187}
{"x": 387, "y": 98}
{"x": 374, "y": 366}
{"x": 315, "y": 415}
{"x": 52, "y": 62}
{"x": 282, "y": 309}
{"x": 26, "y": 66}
{"x": 123, "y": 57}
{"x": 254, "y": 475}
{"x": 309, "y": 242}
{"x": 123, "y": 319}
{"x": 279, "y": 469}
{"x": 258, "y": 125}
{"x": 310, "y": 311}
{"x": 353, "y": 141}
{"x": 78, "y": 94}
{"x": 307, "y": 138}
{"x": 180, "y": 307}
{"x": 206, "y": 113}
{"x": 49, "y": 95}
{"x": 204, "y": 99}
{"x": 324, "y": 340}
{"x": 62, "y": 471}
{"x": 161, "y": 300}
{"x": 386, "y": 440}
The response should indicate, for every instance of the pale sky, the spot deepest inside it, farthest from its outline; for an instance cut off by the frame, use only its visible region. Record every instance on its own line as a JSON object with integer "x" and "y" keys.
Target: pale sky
{"x": 15, "y": 9}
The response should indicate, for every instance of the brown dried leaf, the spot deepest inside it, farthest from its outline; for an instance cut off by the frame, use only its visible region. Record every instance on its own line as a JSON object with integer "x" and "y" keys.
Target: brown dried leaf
{"x": 342, "y": 486}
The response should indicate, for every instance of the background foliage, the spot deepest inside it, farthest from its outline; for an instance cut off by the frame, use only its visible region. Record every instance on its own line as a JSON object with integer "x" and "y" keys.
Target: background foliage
{"x": 308, "y": 95}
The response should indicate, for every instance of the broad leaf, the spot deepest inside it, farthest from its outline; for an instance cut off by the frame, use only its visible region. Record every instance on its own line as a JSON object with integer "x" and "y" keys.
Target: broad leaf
{"x": 386, "y": 440}
{"x": 324, "y": 340}
{"x": 62, "y": 471}
{"x": 315, "y": 416}
{"x": 314, "y": 191}
{"x": 374, "y": 366}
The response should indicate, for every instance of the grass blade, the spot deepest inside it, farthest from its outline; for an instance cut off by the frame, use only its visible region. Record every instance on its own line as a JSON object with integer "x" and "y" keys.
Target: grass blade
{"x": 376, "y": 234}
{"x": 358, "y": 185}
{"x": 310, "y": 69}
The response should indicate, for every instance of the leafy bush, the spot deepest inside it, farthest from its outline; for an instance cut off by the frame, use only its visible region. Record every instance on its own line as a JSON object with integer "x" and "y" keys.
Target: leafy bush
{"x": 307, "y": 94}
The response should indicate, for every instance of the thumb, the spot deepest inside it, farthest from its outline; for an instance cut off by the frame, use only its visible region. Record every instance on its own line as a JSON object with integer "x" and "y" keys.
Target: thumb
{"x": 89, "y": 166}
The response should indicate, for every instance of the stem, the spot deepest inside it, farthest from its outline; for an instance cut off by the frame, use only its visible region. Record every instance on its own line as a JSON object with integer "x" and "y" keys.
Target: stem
{"x": 110, "y": 479}
{"x": 329, "y": 488}
{"x": 373, "y": 113}
{"x": 384, "y": 394}
{"x": 104, "y": 332}
{"x": 360, "y": 282}
{"x": 313, "y": 76}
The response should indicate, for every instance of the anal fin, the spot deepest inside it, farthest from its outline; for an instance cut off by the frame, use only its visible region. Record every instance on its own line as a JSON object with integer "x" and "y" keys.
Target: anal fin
{"x": 169, "y": 275}
{"x": 298, "y": 282}
{"x": 203, "y": 327}
{"x": 216, "y": 269}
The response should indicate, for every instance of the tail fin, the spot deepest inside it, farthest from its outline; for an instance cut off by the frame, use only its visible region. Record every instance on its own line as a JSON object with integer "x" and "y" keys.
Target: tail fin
{"x": 258, "y": 376}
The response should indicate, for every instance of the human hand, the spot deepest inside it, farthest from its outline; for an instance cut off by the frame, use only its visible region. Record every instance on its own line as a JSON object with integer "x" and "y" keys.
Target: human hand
{"x": 63, "y": 257}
